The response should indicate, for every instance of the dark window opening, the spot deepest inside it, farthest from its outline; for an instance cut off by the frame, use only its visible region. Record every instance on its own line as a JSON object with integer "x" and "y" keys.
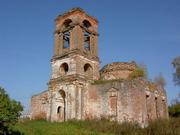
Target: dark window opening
{"x": 88, "y": 70}
{"x": 59, "y": 110}
{"x": 86, "y": 24}
{"x": 64, "y": 68}
{"x": 67, "y": 23}
{"x": 148, "y": 107}
{"x": 66, "y": 39}
{"x": 63, "y": 94}
{"x": 87, "y": 67}
{"x": 87, "y": 41}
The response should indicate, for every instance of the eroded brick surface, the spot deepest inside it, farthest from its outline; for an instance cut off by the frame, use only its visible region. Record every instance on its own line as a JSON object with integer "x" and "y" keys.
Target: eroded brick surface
{"x": 117, "y": 70}
{"x": 72, "y": 90}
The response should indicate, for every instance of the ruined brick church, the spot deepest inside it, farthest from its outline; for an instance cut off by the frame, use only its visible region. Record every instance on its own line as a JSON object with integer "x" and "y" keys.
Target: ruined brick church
{"x": 79, "y": 90}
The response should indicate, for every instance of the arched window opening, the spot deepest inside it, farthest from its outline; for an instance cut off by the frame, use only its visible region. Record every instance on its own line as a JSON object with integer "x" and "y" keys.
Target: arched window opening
{"x": 67, "y": 23}
{"x": 88, "y": 70}
{"x": 66, "y": 40}
{"x": 87, "y": 67}
{"x": 64, "y": 69}
{"x": 63, "y": 110}
{"x": 86, "y": 23}
{"x": 63, "y": 94}
{"x": 59, "y": 110}
{"x": 86, "y": 41}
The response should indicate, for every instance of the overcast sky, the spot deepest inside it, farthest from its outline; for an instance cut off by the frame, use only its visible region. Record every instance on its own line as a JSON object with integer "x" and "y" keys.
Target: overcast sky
{"x": 147, "y": 31}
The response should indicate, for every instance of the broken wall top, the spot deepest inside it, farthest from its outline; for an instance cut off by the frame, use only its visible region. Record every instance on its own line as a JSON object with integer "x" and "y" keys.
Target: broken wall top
{"x": 115, "y": 66}
{"x": 77, "y": 15}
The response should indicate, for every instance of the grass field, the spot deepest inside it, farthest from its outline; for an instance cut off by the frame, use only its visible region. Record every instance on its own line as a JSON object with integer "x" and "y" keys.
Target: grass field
{"x": 47, "y": 128}
{"x": 96, "y": 127}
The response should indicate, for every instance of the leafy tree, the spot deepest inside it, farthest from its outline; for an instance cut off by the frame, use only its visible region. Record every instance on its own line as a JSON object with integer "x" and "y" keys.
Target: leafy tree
{"x": 10, "y": 110}
{"x": 159, "y": 80}
{"x": 176, "y": 75}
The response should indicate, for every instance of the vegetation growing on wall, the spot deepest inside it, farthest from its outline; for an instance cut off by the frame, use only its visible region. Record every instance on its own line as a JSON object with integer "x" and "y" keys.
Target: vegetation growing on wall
{"x": 138, "y": 72}
{"x": 106, "y": 81}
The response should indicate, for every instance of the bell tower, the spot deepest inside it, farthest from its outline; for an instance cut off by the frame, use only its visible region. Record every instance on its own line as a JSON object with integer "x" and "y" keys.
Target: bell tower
{"x": 75, "y": 46}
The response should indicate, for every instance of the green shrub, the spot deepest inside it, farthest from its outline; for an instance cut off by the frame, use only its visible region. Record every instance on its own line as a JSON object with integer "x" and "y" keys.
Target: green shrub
{"x": 10, "y": 111}
{"x": 138, "y": 72}
{"x": 174, "y": 108}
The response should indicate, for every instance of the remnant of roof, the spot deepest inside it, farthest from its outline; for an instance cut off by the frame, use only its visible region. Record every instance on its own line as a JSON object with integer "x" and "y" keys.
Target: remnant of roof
{"x": 74, "y": 10}
{"x": 118, "y": 66}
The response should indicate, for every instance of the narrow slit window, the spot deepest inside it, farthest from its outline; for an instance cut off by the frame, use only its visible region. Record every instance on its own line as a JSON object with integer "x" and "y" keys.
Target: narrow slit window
{"x": 87, "y": 41}
{"x": 66, "y": 39}
{"x": 59, "y": 110}
{"x": 148, "y": 107}
{"x": 156, "y": 105}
